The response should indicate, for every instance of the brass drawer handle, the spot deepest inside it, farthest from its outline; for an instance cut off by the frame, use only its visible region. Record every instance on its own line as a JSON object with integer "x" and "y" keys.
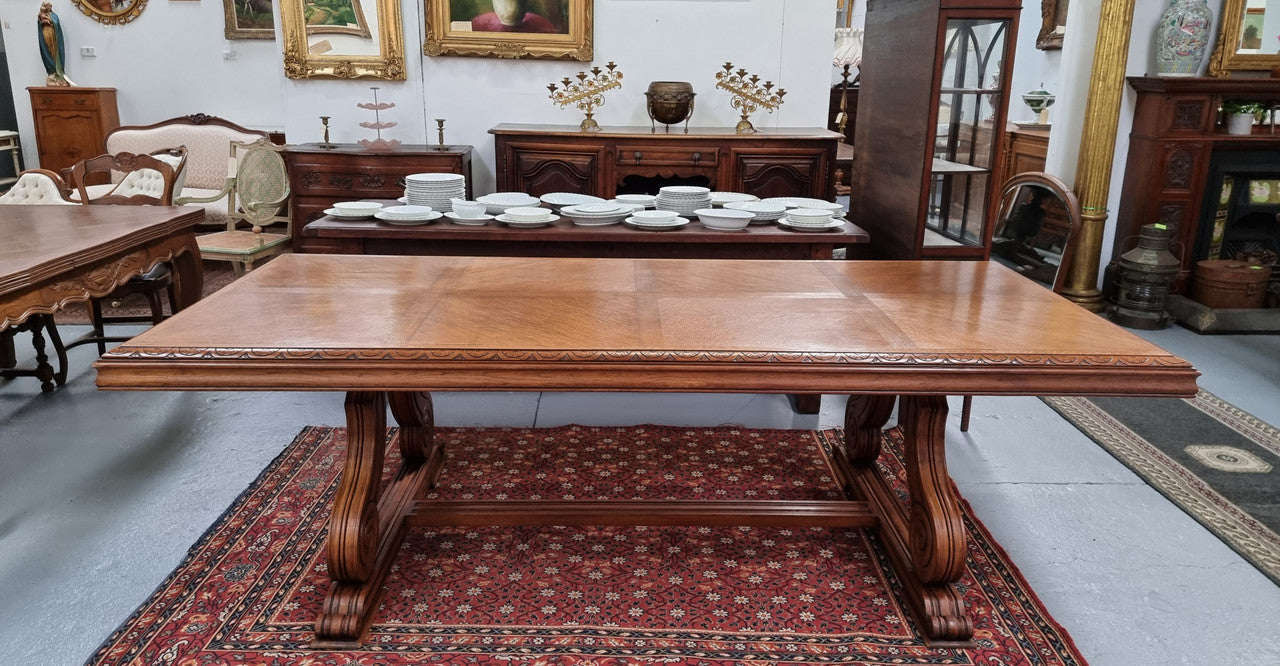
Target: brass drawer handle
{"x": 697, "y": 157}
{"x": 637, "y": 155}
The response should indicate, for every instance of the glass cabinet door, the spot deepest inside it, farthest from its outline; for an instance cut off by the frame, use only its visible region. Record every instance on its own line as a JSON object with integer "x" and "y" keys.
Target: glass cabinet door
{"x": 967, "y": 133}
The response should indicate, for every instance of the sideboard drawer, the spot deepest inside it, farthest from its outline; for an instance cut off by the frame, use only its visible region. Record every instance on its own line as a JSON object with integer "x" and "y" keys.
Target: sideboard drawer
{"x": 661, "y": 155}
{"x": 66, "y": 101}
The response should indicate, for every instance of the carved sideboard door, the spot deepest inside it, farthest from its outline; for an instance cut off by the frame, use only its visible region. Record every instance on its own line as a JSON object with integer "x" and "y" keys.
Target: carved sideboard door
{"x": 319, "y": 177}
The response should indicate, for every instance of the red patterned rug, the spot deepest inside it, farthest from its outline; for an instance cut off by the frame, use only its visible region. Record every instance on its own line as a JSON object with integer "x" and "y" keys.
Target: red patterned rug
{"x": 248, "y": 591}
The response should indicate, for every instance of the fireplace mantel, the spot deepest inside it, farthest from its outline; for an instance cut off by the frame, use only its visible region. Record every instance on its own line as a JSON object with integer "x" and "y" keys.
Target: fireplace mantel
{"x": 1176, "y": 130}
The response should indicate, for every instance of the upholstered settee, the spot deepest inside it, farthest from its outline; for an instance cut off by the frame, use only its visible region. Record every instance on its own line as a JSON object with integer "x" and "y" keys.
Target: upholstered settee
{"x": 208, "y": 142}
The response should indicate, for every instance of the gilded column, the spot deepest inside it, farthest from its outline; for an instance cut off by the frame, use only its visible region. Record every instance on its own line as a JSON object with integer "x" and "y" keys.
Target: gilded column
{"x": 1098, "y": 147}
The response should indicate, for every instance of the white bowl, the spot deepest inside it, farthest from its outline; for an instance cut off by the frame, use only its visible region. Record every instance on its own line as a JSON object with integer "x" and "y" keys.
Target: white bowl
{"x": 654, "y": 216}
{"x": 358, "y": 207}
{"x": 467, "y": 209}
{"x": 523, "y": 214}
{"x": 809, "y": 215}
{"x": 498, "y": 202}
{"x": 724, "y": 218}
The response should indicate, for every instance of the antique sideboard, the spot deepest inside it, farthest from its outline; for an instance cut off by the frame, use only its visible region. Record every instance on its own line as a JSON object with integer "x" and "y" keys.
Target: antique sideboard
{"x": 319, "y": 176}
{"x": 538, "y": 159}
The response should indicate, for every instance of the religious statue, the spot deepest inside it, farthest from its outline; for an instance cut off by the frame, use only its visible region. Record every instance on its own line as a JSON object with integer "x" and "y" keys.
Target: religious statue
{"x": 52, "y": 50}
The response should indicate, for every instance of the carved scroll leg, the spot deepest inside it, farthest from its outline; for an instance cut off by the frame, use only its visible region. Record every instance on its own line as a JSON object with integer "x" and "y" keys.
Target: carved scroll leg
{"x": 44, "y": 371}
{"x": 365, "y": 531}
{"x": 864, "y": 419}
{"x": 418, "y": 446}
{"x": 936, "y": 536}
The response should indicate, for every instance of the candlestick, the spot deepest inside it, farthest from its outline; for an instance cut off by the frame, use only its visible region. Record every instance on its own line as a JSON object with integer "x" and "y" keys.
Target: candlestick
{"x": 748, "y": 94}
{"x": 587, "y": 92}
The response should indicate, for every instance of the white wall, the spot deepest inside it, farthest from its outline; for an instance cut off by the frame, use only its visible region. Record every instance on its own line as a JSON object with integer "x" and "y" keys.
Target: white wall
{"x": 169, "y": 62}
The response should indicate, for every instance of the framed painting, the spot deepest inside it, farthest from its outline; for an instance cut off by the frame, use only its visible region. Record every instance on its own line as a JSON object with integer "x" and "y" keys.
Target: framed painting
{"x": 551, "y": 29}
{"x": 249, "y": 19}
{"x": 341, "y": 17}
{"x": 1053, "y": 24}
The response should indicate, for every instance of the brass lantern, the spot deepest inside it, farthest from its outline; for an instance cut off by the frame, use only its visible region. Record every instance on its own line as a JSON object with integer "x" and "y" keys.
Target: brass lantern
{"x": 1143, "y": 277}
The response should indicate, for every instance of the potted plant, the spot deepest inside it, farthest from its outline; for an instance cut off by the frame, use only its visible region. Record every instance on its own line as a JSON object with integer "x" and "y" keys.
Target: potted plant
{"x": 1240, "y": 115}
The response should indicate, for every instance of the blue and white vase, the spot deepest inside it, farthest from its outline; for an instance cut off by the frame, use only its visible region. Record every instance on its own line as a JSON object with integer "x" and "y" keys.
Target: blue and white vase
{"x": 1182, "y": 37}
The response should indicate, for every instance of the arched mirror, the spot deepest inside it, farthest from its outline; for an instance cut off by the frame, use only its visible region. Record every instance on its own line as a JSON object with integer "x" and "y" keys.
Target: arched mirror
{"x": 343, "y": 39}
{"x": 1249, "y": 39}
{"x": 1037, "y": 226}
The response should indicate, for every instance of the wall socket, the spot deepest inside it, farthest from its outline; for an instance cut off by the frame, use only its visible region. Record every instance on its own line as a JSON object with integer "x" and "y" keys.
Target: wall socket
{"x": 88, "y": 52}
{"x": 228, "y": 55}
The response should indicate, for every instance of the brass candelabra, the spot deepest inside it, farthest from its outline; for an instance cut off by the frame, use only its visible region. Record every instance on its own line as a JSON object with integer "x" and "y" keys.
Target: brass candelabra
{"x": 587, "y": 92}
{"x": 748, "y": 94}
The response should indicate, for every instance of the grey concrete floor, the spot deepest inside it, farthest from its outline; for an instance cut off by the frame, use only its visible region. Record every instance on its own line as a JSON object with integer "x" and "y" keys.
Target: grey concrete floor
{"x": 101, "y": 494}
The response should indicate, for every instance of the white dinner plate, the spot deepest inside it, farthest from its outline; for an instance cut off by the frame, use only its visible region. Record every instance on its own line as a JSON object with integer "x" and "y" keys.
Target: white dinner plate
{"x": 670, "y": 224}
{"x": 834, "y": 223}
{"x": 806, "y": 202}
{"x": 334, "y": 212}
{"x": 468, "y": 221}
{"x": 423, "y": 218}
{"x": 525, "y": 224}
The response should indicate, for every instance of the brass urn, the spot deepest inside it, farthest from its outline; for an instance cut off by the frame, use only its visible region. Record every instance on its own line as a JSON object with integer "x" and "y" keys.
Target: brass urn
{"x": 669, "y": 102}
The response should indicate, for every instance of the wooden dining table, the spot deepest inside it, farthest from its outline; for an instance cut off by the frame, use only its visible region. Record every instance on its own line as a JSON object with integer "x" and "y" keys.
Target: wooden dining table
{"x": 53, "y": 255}
{"x": 389, "y": 330}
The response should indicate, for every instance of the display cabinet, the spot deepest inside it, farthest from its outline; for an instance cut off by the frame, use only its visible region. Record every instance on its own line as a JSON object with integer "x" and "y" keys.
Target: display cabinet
{"x": 930, "y": 126}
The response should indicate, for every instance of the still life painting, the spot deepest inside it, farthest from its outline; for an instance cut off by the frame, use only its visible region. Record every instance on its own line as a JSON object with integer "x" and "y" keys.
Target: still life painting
{"x": 559, "y": 29}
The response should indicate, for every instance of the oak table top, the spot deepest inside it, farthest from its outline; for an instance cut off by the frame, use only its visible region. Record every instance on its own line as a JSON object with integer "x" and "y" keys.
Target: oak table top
{"x": 387, "y": 330}
{"x": 439, "y": 322}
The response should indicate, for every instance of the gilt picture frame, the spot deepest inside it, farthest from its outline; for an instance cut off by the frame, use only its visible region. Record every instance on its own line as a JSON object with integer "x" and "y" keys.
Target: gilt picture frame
{"x": 107, "y": 12}
{"x": 253, "y": 19}
{"x": 540, "y": 29}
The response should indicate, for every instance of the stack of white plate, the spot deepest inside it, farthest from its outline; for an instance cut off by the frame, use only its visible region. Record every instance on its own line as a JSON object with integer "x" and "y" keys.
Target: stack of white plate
{"x": 407, "y": 215}
{"x": 498, "y": 202}
{"x": 810, "y": 219}
{"x": 806, "y": 202}
{"x": 558, "y": 200}
{"x": 719, "y": 199}
{"x": 434, "y": 189}
{"x": 765, "y": 211}
{"x": 597, "y": 214}
{"x": 683, "y": 199}
{"x": 656, "y": 220}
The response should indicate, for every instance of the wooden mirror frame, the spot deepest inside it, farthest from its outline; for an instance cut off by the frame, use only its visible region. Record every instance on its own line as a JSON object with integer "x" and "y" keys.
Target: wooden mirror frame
{"x": 300, "y": 63}
{"x": 1053, "y": 14}
{"x": 1071, "y": 208}
{"x": 107, "y": 16}
{"x": 443, "y": 39}
{"x": 1225, "y": 60}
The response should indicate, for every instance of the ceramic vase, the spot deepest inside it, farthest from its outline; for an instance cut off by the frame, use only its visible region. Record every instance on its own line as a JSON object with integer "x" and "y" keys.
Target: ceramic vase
{"x": 1182, "y": 36}
{"x": 510, "y": 12}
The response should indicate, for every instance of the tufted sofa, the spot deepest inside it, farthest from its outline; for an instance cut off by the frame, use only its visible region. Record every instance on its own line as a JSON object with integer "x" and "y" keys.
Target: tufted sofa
{"x": 208, "y": 141}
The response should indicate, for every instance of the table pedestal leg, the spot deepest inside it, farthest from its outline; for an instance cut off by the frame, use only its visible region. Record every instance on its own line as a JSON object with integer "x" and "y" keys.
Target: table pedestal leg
{"x": 366, "y": 526}
{"x": 927, "y": 545}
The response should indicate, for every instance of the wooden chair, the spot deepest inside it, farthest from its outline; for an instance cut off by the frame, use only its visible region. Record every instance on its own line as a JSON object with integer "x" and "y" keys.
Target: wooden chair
{"x": 1036, "y": 227}
{"x": 148, "y": 180}
{"x": 36, "y": 187}
{"x": 257, "y": 191}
